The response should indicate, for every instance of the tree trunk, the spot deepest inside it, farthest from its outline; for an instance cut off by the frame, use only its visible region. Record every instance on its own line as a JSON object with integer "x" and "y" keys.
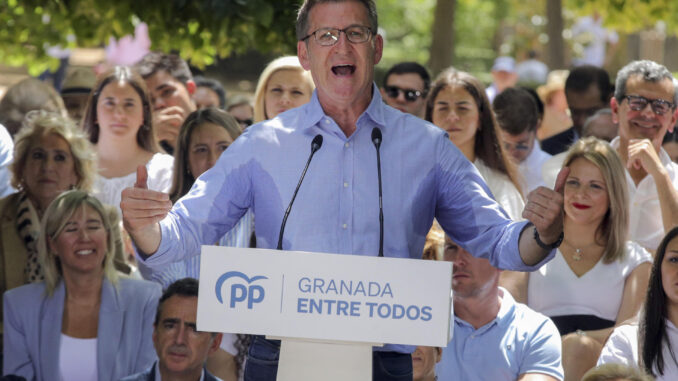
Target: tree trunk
{"x": 554, "y": 29}
{"x": 442, "y": 42}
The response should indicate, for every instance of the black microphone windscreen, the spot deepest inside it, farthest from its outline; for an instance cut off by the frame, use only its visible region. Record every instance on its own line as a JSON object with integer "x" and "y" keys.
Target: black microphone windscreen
{"x": 316, "y": 143}
{"x": 376, "y": 136}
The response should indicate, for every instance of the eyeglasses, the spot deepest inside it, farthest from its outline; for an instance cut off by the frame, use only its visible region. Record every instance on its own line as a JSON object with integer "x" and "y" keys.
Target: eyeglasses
{"x": 410, "y": 95}
{"x": 659, "y": 106}
{"x": 356, "y": 34}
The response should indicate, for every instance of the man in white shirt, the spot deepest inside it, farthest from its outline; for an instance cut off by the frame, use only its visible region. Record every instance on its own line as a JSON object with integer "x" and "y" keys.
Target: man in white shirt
{"x": 517, "y": 116}
{"x": 644, "y": 105}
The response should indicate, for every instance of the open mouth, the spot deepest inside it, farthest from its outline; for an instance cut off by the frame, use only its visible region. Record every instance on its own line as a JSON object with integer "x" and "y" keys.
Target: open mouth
{"x": 343, "y": 70}
{"x": 84, "y": 252}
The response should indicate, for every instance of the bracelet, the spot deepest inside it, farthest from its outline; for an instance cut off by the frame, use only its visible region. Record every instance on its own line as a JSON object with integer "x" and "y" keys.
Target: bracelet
{"x": 550, "y": 246}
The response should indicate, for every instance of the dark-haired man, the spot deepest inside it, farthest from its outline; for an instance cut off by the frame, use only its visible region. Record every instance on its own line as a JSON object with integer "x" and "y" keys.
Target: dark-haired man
{"x": 405, "y": 87}
{"x": 517, "y": 116}
{"x": 182, "y": 349}
{"x": 170, "y": 84}
{"x": 587, "y": 89}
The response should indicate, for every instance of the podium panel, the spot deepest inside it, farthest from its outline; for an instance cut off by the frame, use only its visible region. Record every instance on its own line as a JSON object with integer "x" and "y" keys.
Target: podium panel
{"x": 321, "y": 296}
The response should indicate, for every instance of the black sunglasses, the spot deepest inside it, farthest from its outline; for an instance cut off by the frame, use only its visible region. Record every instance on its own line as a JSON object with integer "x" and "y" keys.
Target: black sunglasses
{"x": 410, "y": 95}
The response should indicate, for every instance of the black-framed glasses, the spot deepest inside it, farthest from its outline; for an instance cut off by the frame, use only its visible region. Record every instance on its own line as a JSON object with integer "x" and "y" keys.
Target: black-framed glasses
{"x": 356, "y": 34}
{"x": 659, "y": 106}
{"x": 410, "y": 94}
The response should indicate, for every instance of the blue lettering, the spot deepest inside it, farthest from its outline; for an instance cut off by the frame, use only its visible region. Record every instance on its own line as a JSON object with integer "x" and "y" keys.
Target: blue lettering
{"x": 387, "y": 291}
{"x": 381, "y": 309}
{"x": 346, "y": 288}
{"x": 305, "y": 285}
{"x": 398, "y": 311}
{"x": 342, "y": 308}
{"x": 360, "y": 289}
{"x": 371, "y": 305}
{"x": 331, "y": 287}
{"x": 355, "y": 308}
{"x": 238, "y": 297}
{"x": 374, "y": 288}
{"x": 329, "y": 304}
{"x": 317, "y": 305}
{"x": 415, "y": 313}
{"x": 302, "y": 305}
{"x": 251, "y": 299}
{"x": 318, "y": 283}
{"x": 426, "y": 313}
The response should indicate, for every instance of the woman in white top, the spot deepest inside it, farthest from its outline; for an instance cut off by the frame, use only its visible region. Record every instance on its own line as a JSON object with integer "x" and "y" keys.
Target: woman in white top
{"x": 118, "y": 120}
{"x": 458, "y": 104}
{"x": 652, "y": 345}
{"x": 598, "y": 278}
{"x": 82, "y": 322}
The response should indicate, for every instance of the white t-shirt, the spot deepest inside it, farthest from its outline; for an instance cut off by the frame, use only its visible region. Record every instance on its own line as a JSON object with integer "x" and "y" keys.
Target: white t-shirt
{"x": 555, "y": 290}
{"x": 77, "y": 359}
{"x": 503, "y": 190}
{"x": 531, "y": 168}
{"x": 593, "y": 36}
{"x": 159, "y": 179}
{"x": 645, "y": 223}
{"x": 622, "y": 348}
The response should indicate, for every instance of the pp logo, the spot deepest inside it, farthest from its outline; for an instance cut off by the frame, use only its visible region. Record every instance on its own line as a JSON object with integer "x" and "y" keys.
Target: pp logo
{"x": 241, "y": 292}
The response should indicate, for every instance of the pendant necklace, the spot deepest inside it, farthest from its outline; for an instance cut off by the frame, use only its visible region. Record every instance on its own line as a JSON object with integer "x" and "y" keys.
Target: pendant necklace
{"x": 578, "y": 251}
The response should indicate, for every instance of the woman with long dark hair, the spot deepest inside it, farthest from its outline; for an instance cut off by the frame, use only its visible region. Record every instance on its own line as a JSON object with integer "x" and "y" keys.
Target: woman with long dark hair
{"x": 651, "y": 344}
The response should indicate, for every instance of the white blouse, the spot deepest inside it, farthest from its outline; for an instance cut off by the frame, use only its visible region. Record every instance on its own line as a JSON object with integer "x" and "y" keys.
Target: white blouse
{"x": 77, "y": 359}
{"x": 622, "y": 348}
{"x": 159, "y": 169}
{"x": 503, "y": 190}
{"x": 555, "y": 290}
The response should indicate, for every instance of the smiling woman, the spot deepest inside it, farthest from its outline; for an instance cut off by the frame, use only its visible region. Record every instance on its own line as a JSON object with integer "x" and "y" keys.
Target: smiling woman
{"x": 82, "y": 322}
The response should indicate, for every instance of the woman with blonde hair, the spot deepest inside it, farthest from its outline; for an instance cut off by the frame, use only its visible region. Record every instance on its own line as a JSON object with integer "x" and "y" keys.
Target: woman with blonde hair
{"x": 51, "y": 155}
{"x": 598, "y": 277}
{"x": 283, "y": 85}
{"x": 118, "y": 121}
{"x": 82, "y": 322}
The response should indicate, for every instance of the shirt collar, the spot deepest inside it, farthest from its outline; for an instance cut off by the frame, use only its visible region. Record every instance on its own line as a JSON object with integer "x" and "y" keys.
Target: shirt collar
{"x": 313, "y": 112}
{"x": 156, "y": 368}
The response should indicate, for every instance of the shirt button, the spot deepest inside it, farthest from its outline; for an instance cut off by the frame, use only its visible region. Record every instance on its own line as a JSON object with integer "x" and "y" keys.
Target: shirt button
{"x": 346, "y": 145}
{"x": 345, "y": 185}
{"x": 344, "y": 226}
{"x": 327, "y": 121}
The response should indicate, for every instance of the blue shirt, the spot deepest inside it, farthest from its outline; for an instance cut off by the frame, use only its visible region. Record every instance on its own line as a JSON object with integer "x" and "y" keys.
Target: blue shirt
{"x": 189, "y": 267}
{"x": 337, "y": 208}
{"x": 518, "y": 341}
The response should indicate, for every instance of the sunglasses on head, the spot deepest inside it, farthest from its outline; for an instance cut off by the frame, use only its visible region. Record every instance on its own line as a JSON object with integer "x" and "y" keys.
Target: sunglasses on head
{"x": 410, "y": 95}
{"x": 659, "y": 106}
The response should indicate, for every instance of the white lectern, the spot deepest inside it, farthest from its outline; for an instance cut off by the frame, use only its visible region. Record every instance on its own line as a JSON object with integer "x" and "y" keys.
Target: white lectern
{"x": 328, "y": 309}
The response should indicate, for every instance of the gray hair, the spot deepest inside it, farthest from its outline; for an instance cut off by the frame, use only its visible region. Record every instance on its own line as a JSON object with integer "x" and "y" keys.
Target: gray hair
{"x": 602, "y": 112}
{"x": 649, "y": 70}
{"x": 302, "y": 16}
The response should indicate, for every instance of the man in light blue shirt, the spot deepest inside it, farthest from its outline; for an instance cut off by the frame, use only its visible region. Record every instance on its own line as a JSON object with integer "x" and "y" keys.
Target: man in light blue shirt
{"x": 337, "y": 207}
{"x": 495, "y": 338}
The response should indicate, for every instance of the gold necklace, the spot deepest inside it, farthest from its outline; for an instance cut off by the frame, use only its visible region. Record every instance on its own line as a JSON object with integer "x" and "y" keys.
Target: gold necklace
{"x": 578, "y": 251}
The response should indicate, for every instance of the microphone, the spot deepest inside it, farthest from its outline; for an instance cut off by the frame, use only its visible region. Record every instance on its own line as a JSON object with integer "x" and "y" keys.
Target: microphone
{"x": 315, "y": 146}
{"x": 376, "y": 139}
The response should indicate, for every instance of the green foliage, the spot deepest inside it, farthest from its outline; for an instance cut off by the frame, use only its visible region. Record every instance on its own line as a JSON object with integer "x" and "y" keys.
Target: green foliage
{"x": 199, "y": 30}
{"x": 630, "y": 15}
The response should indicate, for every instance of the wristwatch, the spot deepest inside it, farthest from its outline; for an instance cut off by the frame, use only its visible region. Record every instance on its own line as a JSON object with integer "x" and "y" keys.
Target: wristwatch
{"x": 547, "y": 246}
